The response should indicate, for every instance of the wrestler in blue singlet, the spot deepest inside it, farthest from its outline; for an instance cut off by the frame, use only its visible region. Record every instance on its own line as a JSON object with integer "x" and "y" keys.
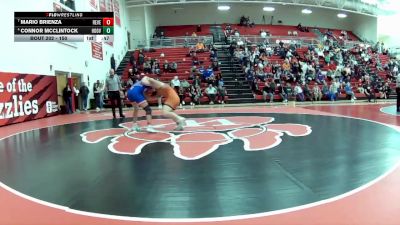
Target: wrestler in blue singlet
{"x": 136, "y": 92}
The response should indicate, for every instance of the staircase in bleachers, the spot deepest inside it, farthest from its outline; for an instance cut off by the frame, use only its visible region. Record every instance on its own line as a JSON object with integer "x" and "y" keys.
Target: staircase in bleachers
{"x": 237, "y": 87}
{"x": 124, "y": 63}
{"x": 319, "y": 34}
{"x": 218, "y": 34}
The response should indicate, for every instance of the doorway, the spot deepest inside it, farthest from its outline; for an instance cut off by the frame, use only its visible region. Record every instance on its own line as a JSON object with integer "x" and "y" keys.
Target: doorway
{"x": 129, "y": 40}
{"x": 61, "y": 83}
{"x": 75, "y": 82}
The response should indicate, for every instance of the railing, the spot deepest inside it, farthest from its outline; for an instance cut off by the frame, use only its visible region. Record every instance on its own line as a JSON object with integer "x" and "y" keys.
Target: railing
{"x": 255, "y": 39}
{"x": 352, "y": 44}
{"x": 173, "y": 42}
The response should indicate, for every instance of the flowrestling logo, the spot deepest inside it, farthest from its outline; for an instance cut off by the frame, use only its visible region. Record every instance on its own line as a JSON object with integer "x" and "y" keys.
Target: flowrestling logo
{"x": 201, "y": 136}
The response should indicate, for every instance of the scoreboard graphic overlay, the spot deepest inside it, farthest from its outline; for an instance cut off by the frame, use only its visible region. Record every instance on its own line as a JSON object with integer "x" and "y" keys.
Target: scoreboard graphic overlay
{"x": 64, "y": 26}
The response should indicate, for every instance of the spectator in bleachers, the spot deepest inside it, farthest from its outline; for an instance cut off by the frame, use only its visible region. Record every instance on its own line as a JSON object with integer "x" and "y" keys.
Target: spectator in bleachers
{"x": 197, "y": 81}
{"x": 289, "y": 33}
{"x": 268, "y": 90}
{"x": 325, "y": 91}
{"x": 369, "y": 92}
{"x": 307, "y": 93}
{"x": 208, "y": 75}
{"x": 286, "y": 92}
{"x": 175, "y": 83}
{"x": 317, "y": 94}
{"x": 221, "y": 93}
{"x": 173, "y": 67}
{"x": 215, "y": 65}
{"x": 132, "y": 59}
{"x": 200, "y": 47}
{"x": 195, "y": 59}
{"x": 211, "y": 92}
{"x": 198, "y": 28}
{"x": 294, "y": 33}
{"x": 384, "y": 91}
{"x": 156, "y": 68}
{"x": 166, "y": 66}
{"x": 320, "y": 77}
{"x": 298, "y": 92}
{"x": 141, "y": 58}
{"x": 194, "y": 34}
{"x": 236, "y": 33}
{"x": 349, "y": 91}
{"x": 263, "y": 34}
{"x": 147, "y": 67}
{"x": 195, "y": 94}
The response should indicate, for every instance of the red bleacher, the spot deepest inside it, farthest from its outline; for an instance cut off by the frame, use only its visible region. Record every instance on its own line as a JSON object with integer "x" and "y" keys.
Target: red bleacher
{"x": 337, "y": 33}
{"x": 176, "y": 31}
{"x": 275, "y": 30}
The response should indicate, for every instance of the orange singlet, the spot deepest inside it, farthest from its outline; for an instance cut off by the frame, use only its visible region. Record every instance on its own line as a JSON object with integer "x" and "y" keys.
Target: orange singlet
{"x": 171, "y": 98}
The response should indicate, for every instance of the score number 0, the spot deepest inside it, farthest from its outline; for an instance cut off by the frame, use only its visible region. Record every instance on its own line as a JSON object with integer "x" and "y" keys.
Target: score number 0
{"x": 108, "y": 21}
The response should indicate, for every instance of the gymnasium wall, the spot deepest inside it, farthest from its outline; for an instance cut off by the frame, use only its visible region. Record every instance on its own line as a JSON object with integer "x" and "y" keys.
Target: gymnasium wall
{"x": 388, "y": 31}
{"x": 36, "y": 58}
{"x": 209, "y": 14}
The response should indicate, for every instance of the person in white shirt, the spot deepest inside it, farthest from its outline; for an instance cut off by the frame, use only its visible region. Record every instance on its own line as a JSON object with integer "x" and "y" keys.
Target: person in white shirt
{"x": 298, "y": 91}
{"x": 263, "y": 34}
{"x": 175, "y": 84}
{"x": 317, "y": 92}
{"x": 211, "y": 92}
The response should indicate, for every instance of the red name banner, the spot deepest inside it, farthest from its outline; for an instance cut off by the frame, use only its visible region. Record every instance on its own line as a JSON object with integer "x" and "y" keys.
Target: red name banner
{"x": 25, "y": 97}
{"x": 97, "y": 50}
{"x": 116, "y": 13}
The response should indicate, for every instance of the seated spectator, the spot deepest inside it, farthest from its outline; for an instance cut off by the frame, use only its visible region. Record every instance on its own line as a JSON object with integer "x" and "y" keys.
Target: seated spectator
{"x": 289, "y": 33}
{"x": 175, "y": 84}
{"x": 333, "y": 91}
{"x": 195, "y": 94}
{"x": 349, "y": 91}
{"x": 319, "y": 77}
{"x": 156, "y": 68}
{"x": 162, "y": 55}
{"x": 198, "y": 28}
{"x": 369, "y": 92}
{"x": 286, "y": 67}
{"x": 132, "y": 59}
{"x": 195, "y": 59}
{"x": 236, "y": 33}
{"x": 317, "y": 94}
{"x": 211, "y": 93}
{"x": 194, "y": 34}
{"x": 325, "y": 91}
{"x": 221, "y": 93}
{"x": 141, "y": 58}
{"x": 215, "y": 65}
{"x": 263, "y": 34}
{"x": 147, "y": 67}
{"x": 384, "y": 91}
{"x": 298, "y": 92}
{"x": 166, "y": 66}
{"x": 200, "y": 47}
{"x": 307, "y": 93}
{"x": 294, "y": 33}
{"x": 197, "y": 81}
{"x": 287, "y": 92}
{"x": 268, "y": 90}
{"x": 207, "y": 74}
{"x": 173, "y": 67}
